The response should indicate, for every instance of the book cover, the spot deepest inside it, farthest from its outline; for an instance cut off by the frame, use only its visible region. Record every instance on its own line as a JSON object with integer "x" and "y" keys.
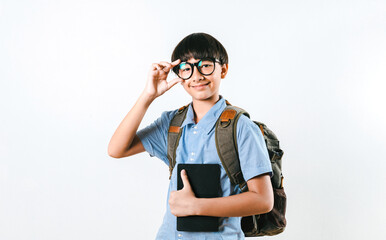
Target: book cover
{"x": 205, "y": 182}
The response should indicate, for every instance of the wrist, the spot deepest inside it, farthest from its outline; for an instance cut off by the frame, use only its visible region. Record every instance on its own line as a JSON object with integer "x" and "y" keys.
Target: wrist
{"x": 147, "y": 98}
{"x": 197, "y": 206}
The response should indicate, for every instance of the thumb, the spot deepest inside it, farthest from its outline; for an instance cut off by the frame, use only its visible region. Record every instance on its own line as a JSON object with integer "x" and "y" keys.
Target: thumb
{"x": 174, "y": 82}
{"x": 185, "y": 179}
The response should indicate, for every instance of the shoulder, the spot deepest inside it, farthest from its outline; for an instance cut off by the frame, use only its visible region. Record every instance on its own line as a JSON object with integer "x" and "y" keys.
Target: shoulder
{"x": 160, "y": 125}
{"x": 168, "y": 115}
{"x": 247, "y": 127}
{"x": 158, "y": 129}
{"x": 246, "y": 124}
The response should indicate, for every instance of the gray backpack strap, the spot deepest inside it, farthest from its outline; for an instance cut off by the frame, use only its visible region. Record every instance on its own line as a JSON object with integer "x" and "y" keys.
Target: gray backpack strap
{"x": 226, "y": 144}
{"x": 174, "y": 135}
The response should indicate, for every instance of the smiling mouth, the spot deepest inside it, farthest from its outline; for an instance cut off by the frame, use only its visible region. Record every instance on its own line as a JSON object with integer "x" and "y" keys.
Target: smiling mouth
{"x": 201, "y": 85}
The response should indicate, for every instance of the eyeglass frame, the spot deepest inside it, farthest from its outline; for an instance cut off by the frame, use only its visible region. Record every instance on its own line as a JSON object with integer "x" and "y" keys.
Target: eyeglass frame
{"x": 192, "y": 65}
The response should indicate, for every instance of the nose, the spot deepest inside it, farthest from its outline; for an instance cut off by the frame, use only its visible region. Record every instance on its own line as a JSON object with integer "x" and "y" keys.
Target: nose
{"x": 196, "y": 76}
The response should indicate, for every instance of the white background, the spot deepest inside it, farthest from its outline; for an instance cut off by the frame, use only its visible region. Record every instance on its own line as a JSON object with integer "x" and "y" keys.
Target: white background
{"x": 70, "y": 70}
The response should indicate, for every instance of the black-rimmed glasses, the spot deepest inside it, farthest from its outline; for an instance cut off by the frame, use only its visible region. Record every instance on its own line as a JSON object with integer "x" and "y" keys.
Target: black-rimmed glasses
{"x": 205, "y": 66}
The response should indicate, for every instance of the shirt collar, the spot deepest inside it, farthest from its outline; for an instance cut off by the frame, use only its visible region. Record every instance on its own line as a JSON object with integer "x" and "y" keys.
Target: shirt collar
{"x": 209, "y": 120}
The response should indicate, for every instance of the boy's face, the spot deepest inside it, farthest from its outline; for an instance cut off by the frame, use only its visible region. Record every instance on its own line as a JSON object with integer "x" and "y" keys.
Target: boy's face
{"x": 202, "y": 87}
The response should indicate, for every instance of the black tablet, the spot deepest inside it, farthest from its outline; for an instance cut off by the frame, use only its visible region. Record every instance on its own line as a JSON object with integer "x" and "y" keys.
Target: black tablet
{"x": 205, "y": 182}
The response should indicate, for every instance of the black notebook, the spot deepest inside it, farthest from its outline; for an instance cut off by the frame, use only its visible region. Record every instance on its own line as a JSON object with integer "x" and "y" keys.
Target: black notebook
{"x": 205, "y": 182}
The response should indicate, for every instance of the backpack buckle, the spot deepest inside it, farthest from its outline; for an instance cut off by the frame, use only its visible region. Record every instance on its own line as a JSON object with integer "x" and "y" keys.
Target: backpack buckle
{"x": 225, "y": 124}
{"x": 226, "y": 117}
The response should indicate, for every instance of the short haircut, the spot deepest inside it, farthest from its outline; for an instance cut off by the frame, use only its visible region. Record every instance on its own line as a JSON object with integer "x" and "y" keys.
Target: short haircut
{"x": 198, "y": 46}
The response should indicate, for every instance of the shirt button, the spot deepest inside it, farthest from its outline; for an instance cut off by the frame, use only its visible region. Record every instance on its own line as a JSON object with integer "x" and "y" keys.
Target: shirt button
{"x": 191, "y": 159}
{"x": 179, "y": 235}
{"x": 192, "y": 153}
{"x": 195, "y": 127}
{"x": 194, "y": 132}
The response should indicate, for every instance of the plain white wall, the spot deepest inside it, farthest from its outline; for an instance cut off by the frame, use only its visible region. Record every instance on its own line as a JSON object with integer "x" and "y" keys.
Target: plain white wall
{"x": 70, "y": 70}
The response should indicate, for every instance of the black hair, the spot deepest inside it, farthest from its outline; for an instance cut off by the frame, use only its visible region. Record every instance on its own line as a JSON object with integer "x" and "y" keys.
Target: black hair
{"x": 198, "y": 46}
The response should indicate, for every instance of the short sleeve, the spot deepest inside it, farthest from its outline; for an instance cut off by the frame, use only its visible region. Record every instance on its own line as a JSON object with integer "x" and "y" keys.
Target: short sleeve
{"x": 154, "y": 137}
{"x": 253, "y": 153}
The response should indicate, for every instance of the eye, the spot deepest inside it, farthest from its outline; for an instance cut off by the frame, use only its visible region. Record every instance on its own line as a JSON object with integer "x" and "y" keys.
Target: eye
{"x": 206, "y": 63}
{"x": 184, "y": 67}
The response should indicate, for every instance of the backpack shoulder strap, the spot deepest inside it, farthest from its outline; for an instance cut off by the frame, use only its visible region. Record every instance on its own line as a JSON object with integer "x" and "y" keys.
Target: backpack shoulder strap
{"x": 226, "y": 144}
{"x": 174, "y": 135}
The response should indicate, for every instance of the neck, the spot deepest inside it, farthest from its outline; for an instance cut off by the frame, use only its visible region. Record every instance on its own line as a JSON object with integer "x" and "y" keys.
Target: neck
{"x": 201, "y": 107}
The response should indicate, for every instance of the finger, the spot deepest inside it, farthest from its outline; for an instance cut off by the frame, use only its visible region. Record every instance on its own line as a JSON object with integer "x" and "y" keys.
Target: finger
{"x": 185, "y": 180}
{"x": 166, "y": 66}
{"x": 176, "y": 62}
{"x": 156, "y": 66}
{"x": 174, "y": 82}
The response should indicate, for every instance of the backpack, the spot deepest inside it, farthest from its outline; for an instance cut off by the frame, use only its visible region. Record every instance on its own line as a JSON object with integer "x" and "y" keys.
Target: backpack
{"x": 270, "y": 223}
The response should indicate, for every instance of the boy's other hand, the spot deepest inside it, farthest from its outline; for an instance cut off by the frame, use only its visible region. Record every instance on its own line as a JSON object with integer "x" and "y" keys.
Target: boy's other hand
{"x": 156, "y": 82}
{"x": 183, "y": 202}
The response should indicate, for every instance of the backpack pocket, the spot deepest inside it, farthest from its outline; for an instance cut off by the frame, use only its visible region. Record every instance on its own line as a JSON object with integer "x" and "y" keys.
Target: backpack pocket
{"x": 274, "y": 222}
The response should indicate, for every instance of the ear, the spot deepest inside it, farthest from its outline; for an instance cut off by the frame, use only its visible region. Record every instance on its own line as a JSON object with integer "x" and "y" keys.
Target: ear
{"x": 224, "y": 70}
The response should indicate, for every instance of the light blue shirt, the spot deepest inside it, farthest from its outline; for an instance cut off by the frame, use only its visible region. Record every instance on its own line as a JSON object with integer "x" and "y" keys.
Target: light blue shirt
{"x": 197, "y": 145}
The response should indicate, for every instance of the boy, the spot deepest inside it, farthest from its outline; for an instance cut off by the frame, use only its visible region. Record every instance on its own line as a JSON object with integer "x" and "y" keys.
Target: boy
{"x": 201, "y": 62}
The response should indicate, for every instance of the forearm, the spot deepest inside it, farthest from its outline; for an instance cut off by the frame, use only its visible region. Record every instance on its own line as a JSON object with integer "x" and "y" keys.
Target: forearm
{"x": 244, "y": 204}
{"x": 123, "y": 137}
